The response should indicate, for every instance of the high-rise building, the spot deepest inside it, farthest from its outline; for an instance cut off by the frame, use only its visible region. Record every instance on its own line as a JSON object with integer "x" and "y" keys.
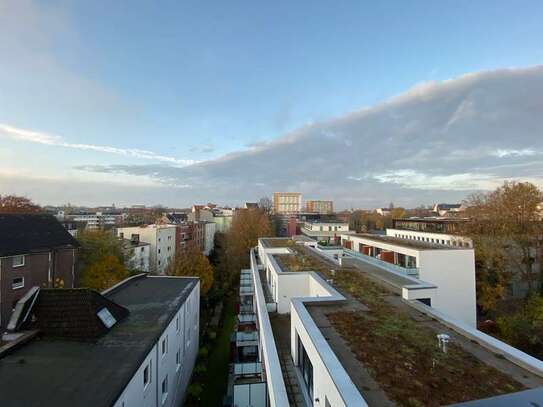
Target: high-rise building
{"x": 322, "y": 207}
{"x": 287, "y": 203}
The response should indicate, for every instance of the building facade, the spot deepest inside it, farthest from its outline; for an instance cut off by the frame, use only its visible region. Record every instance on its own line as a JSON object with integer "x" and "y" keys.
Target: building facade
{"x": 162, "y": 241}
{"x": 35, "y": 250}
{"x": 132, "y": 345}
{"x": 322, "y": 207}
{"x": 209, "y": 237}
{"x": 285, "y": 203}
{"x": 328, "y": 231}
{"x": 136, "y": 254}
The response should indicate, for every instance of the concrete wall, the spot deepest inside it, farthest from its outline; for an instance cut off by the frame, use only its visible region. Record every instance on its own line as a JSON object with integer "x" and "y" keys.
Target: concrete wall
{"x": 453, "y": 272}
{"x": 139, "y": 258}
{"x": 181, "y": 335}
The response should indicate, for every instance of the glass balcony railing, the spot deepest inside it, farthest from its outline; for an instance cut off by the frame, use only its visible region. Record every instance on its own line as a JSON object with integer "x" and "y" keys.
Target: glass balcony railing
{"x": 410, "y": 271}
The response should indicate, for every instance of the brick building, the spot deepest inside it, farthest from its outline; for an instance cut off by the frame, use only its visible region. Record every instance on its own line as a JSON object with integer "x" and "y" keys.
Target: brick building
{"x": 35, "y": 250}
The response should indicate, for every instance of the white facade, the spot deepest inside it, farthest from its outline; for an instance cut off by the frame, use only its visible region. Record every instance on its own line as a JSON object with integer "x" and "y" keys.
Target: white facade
{"x": 450, "y": 269}
{"x": 161, "y": 239}
{"x": 95, "y": 220}
{"x": 332, "y": 386}
{"x": 325, "y": 231}
{"x": 437, "y": 238}
{"x": 137, "y": 257}
{"x": 168, "y": 366}
{"x": 209, "y": 237}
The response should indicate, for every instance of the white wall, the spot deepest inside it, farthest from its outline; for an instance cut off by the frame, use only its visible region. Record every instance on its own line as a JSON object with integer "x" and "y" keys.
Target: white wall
{"x": 439, "y": 238}
{"x": 185, "y": 340}
{"x": 139, "y": 259}
{"x": 209, "y": 235}
{"x": 453, "y": 272}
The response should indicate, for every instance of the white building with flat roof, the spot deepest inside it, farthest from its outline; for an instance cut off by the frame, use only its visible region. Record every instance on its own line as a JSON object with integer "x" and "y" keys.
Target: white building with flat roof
{"x": 161, "y": 239}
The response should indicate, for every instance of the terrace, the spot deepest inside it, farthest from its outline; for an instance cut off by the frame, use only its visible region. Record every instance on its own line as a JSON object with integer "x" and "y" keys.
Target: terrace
{"x": 363, "y": 330}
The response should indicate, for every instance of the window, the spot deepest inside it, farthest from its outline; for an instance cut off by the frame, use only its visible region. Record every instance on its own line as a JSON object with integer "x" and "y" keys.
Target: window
{"x": 141, "y": 250}
{"x": 306, "y": 368}
{"x": 178, "y": 360}
{"x": 17, "y": 283}
{"x": 147, "y": 375}
{"x": 164, "y": 389}
{"x": 158, "y": 251}
{"x": 177, "y": 324}
{"x": 164, "y": 346}
{"x": 18, "y": 261}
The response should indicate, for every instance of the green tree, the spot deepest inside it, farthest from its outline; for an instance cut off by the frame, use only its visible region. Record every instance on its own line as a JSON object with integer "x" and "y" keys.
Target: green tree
{"x": 101, "y": 259}
{"x": 505, "y": 227}
{"x": 192, "y": 263}
{"x": 104, "y": 273}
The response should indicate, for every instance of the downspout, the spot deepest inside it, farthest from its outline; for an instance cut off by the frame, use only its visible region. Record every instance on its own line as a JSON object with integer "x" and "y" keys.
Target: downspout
{"x": 73, "y": 268}
{"x": 49, "y": 269}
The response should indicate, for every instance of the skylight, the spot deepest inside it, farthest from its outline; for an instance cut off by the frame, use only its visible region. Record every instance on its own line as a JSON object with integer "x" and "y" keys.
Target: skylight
{"x": 107, "y": 319}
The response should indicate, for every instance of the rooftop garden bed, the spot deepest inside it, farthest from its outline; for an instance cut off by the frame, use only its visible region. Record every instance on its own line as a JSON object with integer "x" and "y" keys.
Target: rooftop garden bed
{"x": 402, "y": 355}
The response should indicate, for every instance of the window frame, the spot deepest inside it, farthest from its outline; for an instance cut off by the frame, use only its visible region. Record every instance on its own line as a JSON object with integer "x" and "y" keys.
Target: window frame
{"x": 17, "y": 286}
{"x": 19, "y": 256}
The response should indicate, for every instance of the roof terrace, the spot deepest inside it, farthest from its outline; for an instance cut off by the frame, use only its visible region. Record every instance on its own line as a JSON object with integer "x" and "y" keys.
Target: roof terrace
{"x": 389, "y": 348}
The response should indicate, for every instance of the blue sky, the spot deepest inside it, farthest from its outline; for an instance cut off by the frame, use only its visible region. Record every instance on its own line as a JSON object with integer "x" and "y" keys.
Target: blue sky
{"x": 194, "y": 81}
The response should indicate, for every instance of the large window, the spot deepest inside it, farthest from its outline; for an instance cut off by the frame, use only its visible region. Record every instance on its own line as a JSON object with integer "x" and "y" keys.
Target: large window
{"x": 306, "y": 368}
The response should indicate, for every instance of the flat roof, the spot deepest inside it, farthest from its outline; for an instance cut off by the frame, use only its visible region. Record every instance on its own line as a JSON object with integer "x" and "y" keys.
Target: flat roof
{"x": 376, "y": 309}
{"x": 410, "y": 244}
{"x": 60, "y": 372}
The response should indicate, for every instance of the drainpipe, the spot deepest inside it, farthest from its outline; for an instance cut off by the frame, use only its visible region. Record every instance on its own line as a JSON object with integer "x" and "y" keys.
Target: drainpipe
{"x": 49, "y": 269}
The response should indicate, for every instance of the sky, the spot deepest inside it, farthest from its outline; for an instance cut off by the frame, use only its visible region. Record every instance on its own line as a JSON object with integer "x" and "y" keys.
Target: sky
{"x": 177, "y": 102}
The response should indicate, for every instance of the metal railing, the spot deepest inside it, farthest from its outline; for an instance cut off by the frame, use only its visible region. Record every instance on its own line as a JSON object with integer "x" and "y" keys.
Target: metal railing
{"x": 410, "y": 271}
{"x": 247, "y": 369}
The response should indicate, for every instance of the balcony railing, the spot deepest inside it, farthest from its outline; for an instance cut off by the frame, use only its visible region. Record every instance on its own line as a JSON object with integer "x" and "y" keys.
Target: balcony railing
{"x": 243, "y": 308}
{"x": 247, "y": 338}
{"x": 247, "y": 369}
{"x": 246, "y": 290}
{"x": 410, "y": 271}
{"x": 246, "y": 318}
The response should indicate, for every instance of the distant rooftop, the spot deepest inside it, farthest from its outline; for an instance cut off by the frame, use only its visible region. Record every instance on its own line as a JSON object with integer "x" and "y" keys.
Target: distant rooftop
{"x": 410, "y": 244}
{"x": 62, "y": 372}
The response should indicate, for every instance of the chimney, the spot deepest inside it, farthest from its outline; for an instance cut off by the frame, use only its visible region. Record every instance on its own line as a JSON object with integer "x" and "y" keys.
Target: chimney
{"x": 135, "y": 238}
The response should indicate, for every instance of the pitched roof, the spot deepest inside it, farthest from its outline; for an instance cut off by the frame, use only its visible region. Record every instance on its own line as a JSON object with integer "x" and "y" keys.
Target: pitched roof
{"x": 26, "y": 233}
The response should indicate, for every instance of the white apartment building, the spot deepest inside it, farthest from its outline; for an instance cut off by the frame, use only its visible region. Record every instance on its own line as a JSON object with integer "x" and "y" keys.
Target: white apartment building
{"x": 325, "y": 231}
{"x": 136, "y": 254}
{"x": 285, "y": 203}
{"x": 449, "y": 270}
{"x": 161, "y": 239}
{"x": 95, "y": 220}
{"x": 319, "y": 367}
{"x": 209, "y": 237}
{"x": 429, "y": 237}
{"x": 137, "y": 347}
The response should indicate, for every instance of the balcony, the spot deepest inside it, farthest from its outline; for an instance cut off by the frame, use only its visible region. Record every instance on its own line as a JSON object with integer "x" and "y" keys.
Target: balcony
{"x": 247, "y": 318}
{"x": 246, "y": 308}
{"x": 246, "y": 290}
{"x": 247, "y": 338}
{"x": 409, "y": 271}
{"x": 246, "y": 370}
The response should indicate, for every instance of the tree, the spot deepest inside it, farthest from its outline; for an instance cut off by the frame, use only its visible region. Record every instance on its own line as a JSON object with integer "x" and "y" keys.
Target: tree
{"x": 104, "y": 273}
{"x": 192, "y": 263}
{"x": 101, "y": 259}
{"x": 17, "y": 204}
{"x": 505, "y": 228}
{"x": 266, "y": 204}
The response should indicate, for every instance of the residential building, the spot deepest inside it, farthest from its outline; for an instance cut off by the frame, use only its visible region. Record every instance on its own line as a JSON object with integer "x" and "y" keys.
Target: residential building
{"x": 132, "y": 345}
{"x": 438, "y": 230}
{"x": 445, "y": 209}
{"x": 34, "y": 250}
{"x": 222, "y": 217}
{"x": 383, "y": 211}
{"x": 326, "y": 231}
{"x": 322, "y": 207}
{"x": 209, "y": 237}
{"x": 136, "y": 254}
{"x": 183, "y": 237}
{"x": 316, "y": 329}
{"x": 161, "y": 239}
{"x": 96, "y": 219}
{"x": 285, "y": 203}
{"x": 175, "y": 218}
{"x": 197, "y": 234}
{"x": 250, "y": 205}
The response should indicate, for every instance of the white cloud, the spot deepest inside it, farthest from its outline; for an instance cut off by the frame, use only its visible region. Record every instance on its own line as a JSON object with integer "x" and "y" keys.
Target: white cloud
{"x": 54, "y": 140}
{"x": 405, "y": 149}
{"x": 501, "y": 153}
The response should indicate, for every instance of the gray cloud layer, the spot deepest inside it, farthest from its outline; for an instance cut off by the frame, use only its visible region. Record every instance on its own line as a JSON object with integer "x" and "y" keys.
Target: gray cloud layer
{"x": 437, "y": 141}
